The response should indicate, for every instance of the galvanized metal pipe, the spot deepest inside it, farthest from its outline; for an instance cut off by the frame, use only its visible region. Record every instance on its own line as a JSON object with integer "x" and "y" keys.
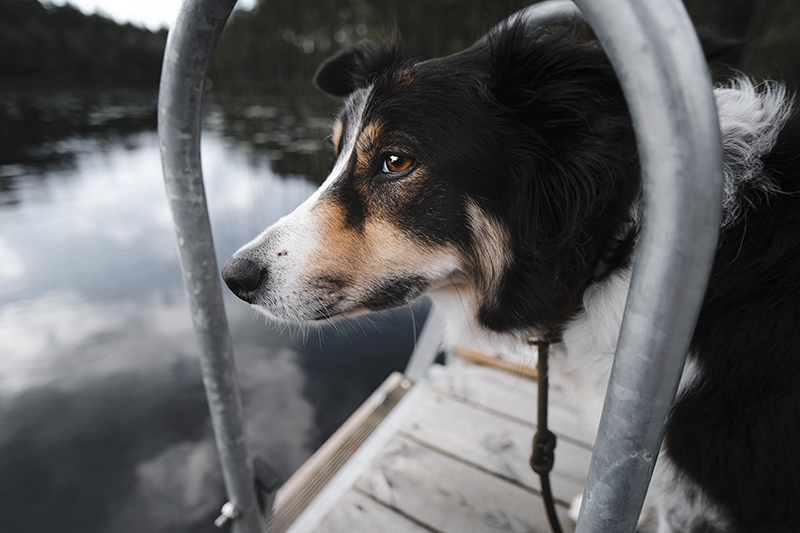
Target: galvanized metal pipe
{"x": 657, "y": 56}
{"x": 547, "y": 12}
{"x": 190, "y": 45}
{"x": 658, "y": 59}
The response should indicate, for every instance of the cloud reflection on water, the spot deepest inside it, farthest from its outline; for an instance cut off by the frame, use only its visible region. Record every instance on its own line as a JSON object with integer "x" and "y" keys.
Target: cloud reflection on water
{"x": 103, "y": 421}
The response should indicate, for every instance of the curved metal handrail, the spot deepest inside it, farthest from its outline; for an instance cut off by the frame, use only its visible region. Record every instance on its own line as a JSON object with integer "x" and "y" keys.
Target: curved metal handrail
{"x": 190, "y": 45}
{"x": 657, "y": 56}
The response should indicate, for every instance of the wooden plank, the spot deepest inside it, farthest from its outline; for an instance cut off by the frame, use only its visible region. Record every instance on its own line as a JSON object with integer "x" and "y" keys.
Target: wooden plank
{"x": 494, "y": 444}
{"x": 450, "y": 496}
{"x": 522, "y": 368}
{"x": 358, "y": 513}
{"x": 345, "y": 477}
{"x": 312, "y": 477}
{"x": 513, "y": 396}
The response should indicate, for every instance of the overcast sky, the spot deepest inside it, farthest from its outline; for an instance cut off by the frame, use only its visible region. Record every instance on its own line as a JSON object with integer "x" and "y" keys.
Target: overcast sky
{"x": 152, "y": 14}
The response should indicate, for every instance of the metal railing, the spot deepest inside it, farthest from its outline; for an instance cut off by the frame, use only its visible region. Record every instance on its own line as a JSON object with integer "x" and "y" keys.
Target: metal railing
{"x": 658, "y": 59}
{"x": 186, "y": 60}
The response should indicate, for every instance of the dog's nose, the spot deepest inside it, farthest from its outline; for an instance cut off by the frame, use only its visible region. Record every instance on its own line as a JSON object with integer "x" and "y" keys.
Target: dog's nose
{"x": 243, "y": 276}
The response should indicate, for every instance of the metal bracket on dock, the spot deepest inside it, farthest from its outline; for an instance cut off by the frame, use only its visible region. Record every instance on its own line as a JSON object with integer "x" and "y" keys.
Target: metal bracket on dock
{"x": 268, "y": 481}
{"x": 229, "y": 513}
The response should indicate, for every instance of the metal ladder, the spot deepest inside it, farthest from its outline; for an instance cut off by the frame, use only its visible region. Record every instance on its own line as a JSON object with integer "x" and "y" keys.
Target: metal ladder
{"x": 656, "y": 54}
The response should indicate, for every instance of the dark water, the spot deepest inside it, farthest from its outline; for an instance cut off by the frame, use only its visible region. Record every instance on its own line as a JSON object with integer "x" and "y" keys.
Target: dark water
{"x": 103, "y": 421}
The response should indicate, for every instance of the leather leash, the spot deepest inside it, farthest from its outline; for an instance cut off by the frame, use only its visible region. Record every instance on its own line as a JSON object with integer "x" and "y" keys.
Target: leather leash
{"x": 544, "y": 440}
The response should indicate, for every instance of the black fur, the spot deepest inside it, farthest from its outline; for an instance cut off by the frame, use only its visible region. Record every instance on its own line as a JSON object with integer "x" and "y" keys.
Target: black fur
{"x": 571, "y": 174}
{"x": 738, "y": 435}
{"x": 394, "y": 293}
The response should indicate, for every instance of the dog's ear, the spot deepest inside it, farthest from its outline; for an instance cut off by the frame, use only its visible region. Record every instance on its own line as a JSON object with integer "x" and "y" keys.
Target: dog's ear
{"x": 352, "y": 68}
{"x": 561, "y": 94}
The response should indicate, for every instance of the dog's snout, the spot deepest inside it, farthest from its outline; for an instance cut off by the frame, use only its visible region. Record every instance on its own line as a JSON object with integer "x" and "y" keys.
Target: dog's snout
{"x": 243, "y": 276}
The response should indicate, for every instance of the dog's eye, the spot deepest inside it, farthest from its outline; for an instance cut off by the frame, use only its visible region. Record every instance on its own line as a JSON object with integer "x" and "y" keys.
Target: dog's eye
{"x": 396, "y": 163}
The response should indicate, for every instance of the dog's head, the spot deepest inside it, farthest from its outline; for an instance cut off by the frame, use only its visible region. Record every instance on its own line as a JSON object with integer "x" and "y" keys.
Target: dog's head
{"x": 500, "y": 173}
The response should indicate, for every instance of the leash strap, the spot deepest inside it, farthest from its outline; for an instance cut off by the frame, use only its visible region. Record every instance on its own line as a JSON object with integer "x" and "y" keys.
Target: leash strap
{"x": 544, "y": 440}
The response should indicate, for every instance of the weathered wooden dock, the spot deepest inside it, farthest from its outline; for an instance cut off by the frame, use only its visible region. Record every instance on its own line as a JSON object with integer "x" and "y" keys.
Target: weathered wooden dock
{"x": 448, "y": 454}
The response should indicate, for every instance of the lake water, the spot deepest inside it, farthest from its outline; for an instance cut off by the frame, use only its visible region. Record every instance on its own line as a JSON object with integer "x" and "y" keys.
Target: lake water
{"x": 103, "y": 420}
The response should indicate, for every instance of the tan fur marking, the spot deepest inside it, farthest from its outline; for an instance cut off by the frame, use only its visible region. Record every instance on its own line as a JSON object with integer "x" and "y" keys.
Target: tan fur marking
{"x": 338, "y": 129}
{"x": 379, "y": 253}
{"x": 491, "y": 249}
{"x": 367, "y": 143}
{"x": 402, "y": 78}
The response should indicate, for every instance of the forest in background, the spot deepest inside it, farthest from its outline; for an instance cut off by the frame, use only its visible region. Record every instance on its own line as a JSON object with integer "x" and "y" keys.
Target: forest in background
{"x": 281, "y": 42}
{"x": 51, "y": 47}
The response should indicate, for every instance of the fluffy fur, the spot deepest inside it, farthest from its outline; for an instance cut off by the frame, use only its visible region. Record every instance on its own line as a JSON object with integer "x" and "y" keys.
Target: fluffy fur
{"x": 504, "y": 182}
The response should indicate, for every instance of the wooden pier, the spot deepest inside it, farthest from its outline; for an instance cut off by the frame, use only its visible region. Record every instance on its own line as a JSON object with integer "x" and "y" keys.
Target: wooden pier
{"x": 448, "y": 454}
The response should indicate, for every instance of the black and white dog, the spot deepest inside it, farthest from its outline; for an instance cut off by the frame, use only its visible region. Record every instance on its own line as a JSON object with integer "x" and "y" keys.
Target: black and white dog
{"x": 504, "y": 182}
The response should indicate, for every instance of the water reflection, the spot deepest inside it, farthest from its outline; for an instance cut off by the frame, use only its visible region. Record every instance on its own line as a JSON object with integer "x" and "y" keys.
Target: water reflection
{"x": 103, "y": 421}
{"x": 43, "y": 131}
{"x": 290, "y": 132}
